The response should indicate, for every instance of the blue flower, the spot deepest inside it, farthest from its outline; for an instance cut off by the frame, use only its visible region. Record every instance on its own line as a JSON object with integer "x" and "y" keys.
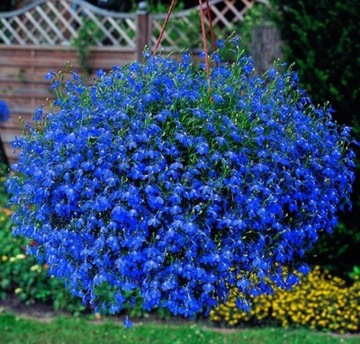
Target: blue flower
{"x": 50, "y": 75}
{"x": 127, "y": 323}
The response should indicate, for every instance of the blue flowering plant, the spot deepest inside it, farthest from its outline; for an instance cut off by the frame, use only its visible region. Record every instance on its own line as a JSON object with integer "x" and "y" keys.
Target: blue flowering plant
{"x": 168, "y": 183}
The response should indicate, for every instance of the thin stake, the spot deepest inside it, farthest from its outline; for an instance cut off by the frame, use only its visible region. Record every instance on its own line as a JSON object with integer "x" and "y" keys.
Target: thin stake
{"x": 204, "y": 41}
{"x": 167, "y": 18}
{"x": 212, "y": 35}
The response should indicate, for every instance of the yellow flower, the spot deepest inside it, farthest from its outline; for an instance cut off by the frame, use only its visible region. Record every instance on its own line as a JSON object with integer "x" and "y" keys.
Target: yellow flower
{"x": 20, "y": 256}
{"x": 36, "y": 268}
{"x": 18, "y": 290}
{"x": 4, "y": 258}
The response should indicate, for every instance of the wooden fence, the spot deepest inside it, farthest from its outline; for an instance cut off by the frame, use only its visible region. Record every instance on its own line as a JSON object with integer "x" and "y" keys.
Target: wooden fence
{"x": 40, "y": 37}
{"x": 24, "y": 88}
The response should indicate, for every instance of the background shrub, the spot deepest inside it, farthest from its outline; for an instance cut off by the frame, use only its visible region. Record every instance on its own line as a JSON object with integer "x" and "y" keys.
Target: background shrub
{"x": 323, "y": 39}
{"x": 21, "y": 275}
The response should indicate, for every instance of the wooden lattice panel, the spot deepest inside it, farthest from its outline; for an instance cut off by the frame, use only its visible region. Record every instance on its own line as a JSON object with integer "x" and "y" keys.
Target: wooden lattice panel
{"x": 56, "y": 22}
{"x": 183, "y": 30}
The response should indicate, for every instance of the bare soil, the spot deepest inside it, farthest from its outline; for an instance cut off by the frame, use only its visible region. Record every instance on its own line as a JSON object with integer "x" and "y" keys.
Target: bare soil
{"x": 41, "y": 312}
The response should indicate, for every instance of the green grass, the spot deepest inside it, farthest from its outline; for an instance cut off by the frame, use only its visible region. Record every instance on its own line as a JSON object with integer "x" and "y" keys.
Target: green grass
{"x": 15, "y": 330}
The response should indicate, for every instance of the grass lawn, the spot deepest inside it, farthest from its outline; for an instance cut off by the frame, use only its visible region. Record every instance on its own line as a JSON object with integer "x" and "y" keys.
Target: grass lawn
{"x": 14, "y": 330}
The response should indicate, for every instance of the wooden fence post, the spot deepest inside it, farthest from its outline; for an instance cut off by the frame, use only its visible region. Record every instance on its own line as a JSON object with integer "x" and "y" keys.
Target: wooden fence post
{"x": 265, "y": 46}
{"x": 143, "y": 29}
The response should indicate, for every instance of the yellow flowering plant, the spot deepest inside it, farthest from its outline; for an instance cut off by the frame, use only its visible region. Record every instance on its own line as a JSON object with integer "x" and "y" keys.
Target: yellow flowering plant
{"x": 319, "y": 301}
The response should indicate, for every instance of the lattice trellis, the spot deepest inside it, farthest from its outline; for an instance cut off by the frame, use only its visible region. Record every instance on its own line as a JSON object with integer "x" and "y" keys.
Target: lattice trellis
{"x": 183, "y": 30}
{"x": 57, "y": 22}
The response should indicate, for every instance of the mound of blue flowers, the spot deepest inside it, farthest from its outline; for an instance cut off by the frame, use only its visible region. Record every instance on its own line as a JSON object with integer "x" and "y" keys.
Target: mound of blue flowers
{"x": 159, "y": 182}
